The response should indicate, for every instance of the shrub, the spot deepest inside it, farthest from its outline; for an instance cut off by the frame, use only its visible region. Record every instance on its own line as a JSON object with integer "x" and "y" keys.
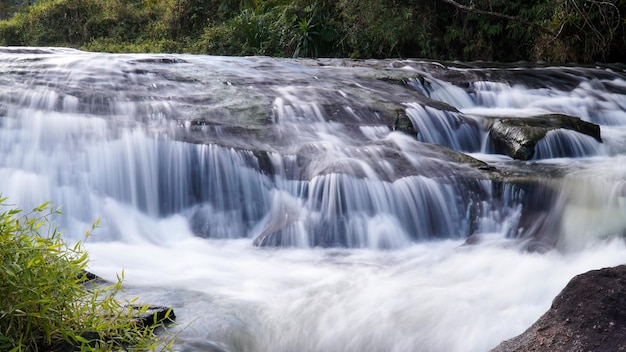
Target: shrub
{"x": 58, "y": 22}
{"x": 45, "y": 302}
{"x": 10, "y": 32}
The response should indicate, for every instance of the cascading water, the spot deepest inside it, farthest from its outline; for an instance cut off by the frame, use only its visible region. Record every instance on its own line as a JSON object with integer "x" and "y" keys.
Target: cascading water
{"x": 391, "y": 238}
{"x": 564, "y": 143}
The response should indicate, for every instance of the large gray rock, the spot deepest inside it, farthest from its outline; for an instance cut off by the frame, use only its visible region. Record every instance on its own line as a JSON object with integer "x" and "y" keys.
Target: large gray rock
{"x": 518, "y": 137}
{"x": 588, "y": 315}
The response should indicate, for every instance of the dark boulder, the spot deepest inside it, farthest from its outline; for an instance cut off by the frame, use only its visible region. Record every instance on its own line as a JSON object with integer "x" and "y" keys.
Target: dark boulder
{"x": 518, "y": 137}
{"x": 152, "y": 316}
{"x": 588, "y": 315}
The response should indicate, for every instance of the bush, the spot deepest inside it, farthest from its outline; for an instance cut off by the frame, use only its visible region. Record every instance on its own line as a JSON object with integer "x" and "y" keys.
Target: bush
{"x": 10, "y": 32}
{"x": 46, "y": 303}
{"x": 58, "y": 22}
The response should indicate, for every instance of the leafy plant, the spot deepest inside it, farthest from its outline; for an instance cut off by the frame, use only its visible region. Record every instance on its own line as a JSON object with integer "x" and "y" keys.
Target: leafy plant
{"x": 46, "y": 302}
{"x": 252, "y": 30}
{"x": 306, "y": 37}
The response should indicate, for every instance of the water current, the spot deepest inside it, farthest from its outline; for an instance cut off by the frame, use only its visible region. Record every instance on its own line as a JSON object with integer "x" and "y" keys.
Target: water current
{"x": 321, "y": 205}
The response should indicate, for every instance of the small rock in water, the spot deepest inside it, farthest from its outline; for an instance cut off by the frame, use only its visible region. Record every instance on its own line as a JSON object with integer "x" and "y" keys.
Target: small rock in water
{"x": 154, "y": 315}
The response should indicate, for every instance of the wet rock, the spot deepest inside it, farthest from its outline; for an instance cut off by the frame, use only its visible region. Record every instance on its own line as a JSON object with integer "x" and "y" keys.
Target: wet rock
{"x": 153, "y": 315}
{"x": 588, "y": 315}
{"x": 404, "y": 124}
{"x": 518, "y": 137}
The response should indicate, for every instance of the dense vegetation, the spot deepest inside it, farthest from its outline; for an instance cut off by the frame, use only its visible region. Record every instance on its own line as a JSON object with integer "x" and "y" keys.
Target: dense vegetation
{"x": 45, "y": 302}
{"x": 495, "y": 30}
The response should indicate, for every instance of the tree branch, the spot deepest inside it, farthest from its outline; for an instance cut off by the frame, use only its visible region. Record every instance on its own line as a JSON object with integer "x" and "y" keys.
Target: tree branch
{"x": 500, "y": 15}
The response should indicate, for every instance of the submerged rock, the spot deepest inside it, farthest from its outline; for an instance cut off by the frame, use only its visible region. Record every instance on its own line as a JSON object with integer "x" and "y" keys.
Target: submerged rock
{"x": 588, "y": 315}
{"x": 518, "y": 137}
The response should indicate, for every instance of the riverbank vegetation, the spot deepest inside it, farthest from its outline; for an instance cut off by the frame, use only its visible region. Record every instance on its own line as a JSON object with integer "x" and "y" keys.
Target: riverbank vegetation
{"x": 580, "y": 31}
{"x": 46, "y": 301}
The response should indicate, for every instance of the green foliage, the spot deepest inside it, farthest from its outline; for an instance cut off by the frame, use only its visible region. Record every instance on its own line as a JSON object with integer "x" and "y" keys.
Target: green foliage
{"x": 251, "y": 31}
{"x": 589, "y": 29}
{"x": 313, "y": 31}
{"x": 245, "y": 34}
{"x": 472, "y": 36}
{"x": 10, "y": 32}
{"x": 184, "y": 18}
{"x": 306, "y": 37}
{"x": 549, "y": 30}
{"x": 9, "y": 7}
{"x": 45, "y": 303}
{"x": 278, "y": 28}
{"x": 112, "y": 45}
{"x": 376, "y": 28}
{"x": 59, "y": 21}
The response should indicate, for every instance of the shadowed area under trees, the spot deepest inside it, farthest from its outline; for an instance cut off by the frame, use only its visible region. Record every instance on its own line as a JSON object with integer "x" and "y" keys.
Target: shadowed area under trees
{"x": 582, "y": 31}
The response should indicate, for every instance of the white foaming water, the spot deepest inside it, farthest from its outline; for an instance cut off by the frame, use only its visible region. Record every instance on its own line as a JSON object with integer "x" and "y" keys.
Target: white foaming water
{"x": 440, "y": 296}
{"x": 169, "y": 149}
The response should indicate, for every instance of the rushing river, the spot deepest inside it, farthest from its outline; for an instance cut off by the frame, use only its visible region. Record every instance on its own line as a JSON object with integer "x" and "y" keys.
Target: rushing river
{"x": 280, "y": 205}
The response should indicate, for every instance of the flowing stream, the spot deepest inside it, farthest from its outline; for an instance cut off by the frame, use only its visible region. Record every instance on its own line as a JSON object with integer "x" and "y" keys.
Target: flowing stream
{"x": 321, "y": 205}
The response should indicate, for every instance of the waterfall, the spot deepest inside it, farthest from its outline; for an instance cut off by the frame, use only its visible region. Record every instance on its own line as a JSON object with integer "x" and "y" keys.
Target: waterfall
{"x": 283, "y": 204}
{"x": 564, "y": 143}
{"x": 445, "y": 128}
